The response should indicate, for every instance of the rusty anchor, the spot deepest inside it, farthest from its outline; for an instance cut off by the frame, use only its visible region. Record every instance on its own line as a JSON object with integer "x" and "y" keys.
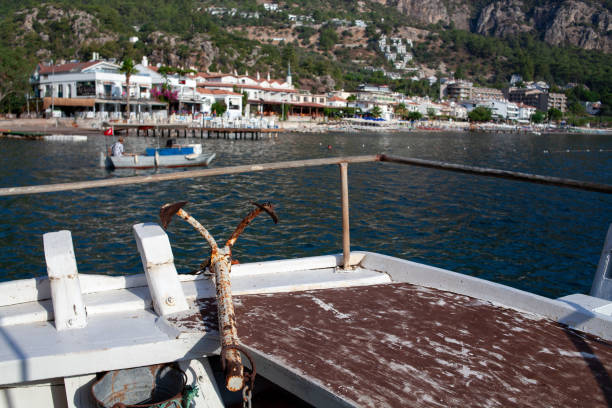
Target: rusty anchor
{"x": 220, "y": 264}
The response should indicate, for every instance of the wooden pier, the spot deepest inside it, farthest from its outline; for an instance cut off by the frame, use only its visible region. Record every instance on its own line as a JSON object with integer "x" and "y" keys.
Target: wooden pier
{"x": 178, "y": 131}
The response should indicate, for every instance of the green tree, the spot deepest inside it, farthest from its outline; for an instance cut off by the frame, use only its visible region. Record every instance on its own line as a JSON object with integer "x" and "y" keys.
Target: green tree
{"x": 538, "y": 117}
{"x": 245, "y": 100}
{"x": 14, "y": 70}
{"x": 219, "y": 108}
{"x": 128, "y": 69}
{"x": 459, "y": 73}
{"x": 376, "y": 111}
{"x": 480, "y": 114}
{"x": 577, "y": 108}
{"x": 414, "y": 115}
{"x": 555, "y": 114}
{"x": 328, "y": 38}
{"x": 285, "y": 108}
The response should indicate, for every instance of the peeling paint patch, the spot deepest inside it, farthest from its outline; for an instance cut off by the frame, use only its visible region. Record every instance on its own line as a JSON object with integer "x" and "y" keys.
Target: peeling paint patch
{"x": 330, "y": 308}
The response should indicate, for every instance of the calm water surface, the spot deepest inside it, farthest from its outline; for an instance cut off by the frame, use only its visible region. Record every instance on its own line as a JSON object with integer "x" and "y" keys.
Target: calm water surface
{"x": 538, "y": 238}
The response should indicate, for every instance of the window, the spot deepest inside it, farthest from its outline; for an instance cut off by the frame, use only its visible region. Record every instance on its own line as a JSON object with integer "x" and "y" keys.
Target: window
{"x": 86, "y": 88}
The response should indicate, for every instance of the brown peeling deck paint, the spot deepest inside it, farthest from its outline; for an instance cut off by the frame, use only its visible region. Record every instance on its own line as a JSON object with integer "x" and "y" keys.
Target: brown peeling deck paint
{"x": 401, "y": 345}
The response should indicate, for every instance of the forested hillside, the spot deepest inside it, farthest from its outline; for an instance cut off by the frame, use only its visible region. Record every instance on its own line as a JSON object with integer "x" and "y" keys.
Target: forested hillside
{"x": 329, "y": 44}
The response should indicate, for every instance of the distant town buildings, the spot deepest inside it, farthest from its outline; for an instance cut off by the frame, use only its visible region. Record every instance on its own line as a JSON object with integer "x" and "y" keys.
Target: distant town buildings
{"x": 395, "y": 50}
{"x": 271, "y": 6}
{"x": 97, "y": 88}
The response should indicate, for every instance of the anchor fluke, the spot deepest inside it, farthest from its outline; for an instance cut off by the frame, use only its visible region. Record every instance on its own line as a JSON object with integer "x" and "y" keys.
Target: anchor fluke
{"x": 167, "y": 212}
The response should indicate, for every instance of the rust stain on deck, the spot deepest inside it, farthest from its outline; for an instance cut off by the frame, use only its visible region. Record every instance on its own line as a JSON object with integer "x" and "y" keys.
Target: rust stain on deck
{"x": 401, "y": 345}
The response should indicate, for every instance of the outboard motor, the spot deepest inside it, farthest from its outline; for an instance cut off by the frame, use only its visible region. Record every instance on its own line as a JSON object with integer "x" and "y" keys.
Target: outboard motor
{"x": 602, "y": 283}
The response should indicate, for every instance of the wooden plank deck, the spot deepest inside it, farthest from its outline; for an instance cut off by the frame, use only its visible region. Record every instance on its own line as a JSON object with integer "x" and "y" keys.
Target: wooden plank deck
{"x": 400, "y": 345}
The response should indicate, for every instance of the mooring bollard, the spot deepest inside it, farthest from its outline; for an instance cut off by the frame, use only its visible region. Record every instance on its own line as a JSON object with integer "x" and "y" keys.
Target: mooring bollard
{"x": 220, "y": 266}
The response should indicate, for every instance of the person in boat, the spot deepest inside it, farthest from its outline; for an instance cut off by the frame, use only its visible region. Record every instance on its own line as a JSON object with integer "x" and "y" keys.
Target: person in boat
{"x": 116, "y": 148}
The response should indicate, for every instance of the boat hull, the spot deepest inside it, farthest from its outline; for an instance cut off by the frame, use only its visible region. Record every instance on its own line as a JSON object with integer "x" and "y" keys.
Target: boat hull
{"x": 139, "y": 161}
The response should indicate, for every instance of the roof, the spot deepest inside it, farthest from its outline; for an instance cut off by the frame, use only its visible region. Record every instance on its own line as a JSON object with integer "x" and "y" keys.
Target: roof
{"x": 216, "y": 92}
{"x": 63, "y": 68}
{"x": 302, "y": 104}
{"x": 336, "y": 99}
{"x": 245, "y": 86}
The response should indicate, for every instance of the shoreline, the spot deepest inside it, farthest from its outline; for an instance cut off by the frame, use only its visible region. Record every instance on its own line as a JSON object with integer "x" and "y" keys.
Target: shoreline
{"x": 93, "y": 127}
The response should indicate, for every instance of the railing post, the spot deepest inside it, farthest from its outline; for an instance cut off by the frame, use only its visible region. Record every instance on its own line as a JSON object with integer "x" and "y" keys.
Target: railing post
{"x": 68, "y": 307}
{"x": 346, "y": 235}
{"x": 158, "y": 263}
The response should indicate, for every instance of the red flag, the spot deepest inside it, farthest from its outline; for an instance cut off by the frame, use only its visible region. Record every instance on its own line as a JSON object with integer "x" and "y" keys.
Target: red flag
{"x": 108, "y": 132}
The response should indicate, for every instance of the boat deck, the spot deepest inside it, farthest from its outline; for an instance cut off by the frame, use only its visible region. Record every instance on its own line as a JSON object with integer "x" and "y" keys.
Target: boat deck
{"x": 385, "y": 332}
{"x": 400, "y": 345}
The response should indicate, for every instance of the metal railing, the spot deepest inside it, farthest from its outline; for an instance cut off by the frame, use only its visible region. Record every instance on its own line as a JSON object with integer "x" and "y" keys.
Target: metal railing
{"x": 343, "y": 162}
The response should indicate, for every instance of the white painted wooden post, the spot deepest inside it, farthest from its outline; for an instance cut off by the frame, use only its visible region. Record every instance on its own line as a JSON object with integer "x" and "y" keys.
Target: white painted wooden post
{"x": 68, "y": 306}
{"x": 78, "y": 391}
{"x": 200, "y": 373}
{"x": 158, "y": 263}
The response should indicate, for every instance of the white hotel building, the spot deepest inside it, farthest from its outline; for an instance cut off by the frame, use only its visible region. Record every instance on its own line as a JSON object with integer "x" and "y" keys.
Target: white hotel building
{"x": 92, "y": 89}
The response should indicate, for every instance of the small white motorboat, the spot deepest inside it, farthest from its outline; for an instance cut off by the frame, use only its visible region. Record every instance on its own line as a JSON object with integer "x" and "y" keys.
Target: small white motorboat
{"x": 177, "y": 156}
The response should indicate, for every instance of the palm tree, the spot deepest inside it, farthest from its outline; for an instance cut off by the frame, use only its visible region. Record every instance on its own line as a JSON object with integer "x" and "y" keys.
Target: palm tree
{"x": 128, "y": 69}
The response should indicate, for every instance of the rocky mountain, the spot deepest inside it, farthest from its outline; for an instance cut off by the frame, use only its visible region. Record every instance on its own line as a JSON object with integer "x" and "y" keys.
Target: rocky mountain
{"x": 585, "y": 24}
{"x": 433, "y": 11}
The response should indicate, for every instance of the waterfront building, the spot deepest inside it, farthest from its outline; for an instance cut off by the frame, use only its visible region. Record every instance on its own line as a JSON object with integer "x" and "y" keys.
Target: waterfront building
{"x": 592, "y": 108}
{"x": 525, "y": 112}
{"x": 512, "y": 111}
{"x": 232, "y": 101}
{"x": 458, "y": 90}
{"x": 499, "y": 109}
{"x": 340, "y": 94}
{"x": 555, "y": 100}
{"x": 538, "y": 98}
{"x": 337, "y": 102}
{"x": 527, "y": 96}
{"x": 265, "y": 96}
{"x": 487, "y": 94}
{"x": 92, "y": 89}
{"x": 457, "y": 111}
{"x": 370, "y": 96}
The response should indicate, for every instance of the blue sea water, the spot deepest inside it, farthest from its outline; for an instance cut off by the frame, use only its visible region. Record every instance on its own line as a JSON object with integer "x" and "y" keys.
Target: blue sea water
{"x": 538, "y": 238}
